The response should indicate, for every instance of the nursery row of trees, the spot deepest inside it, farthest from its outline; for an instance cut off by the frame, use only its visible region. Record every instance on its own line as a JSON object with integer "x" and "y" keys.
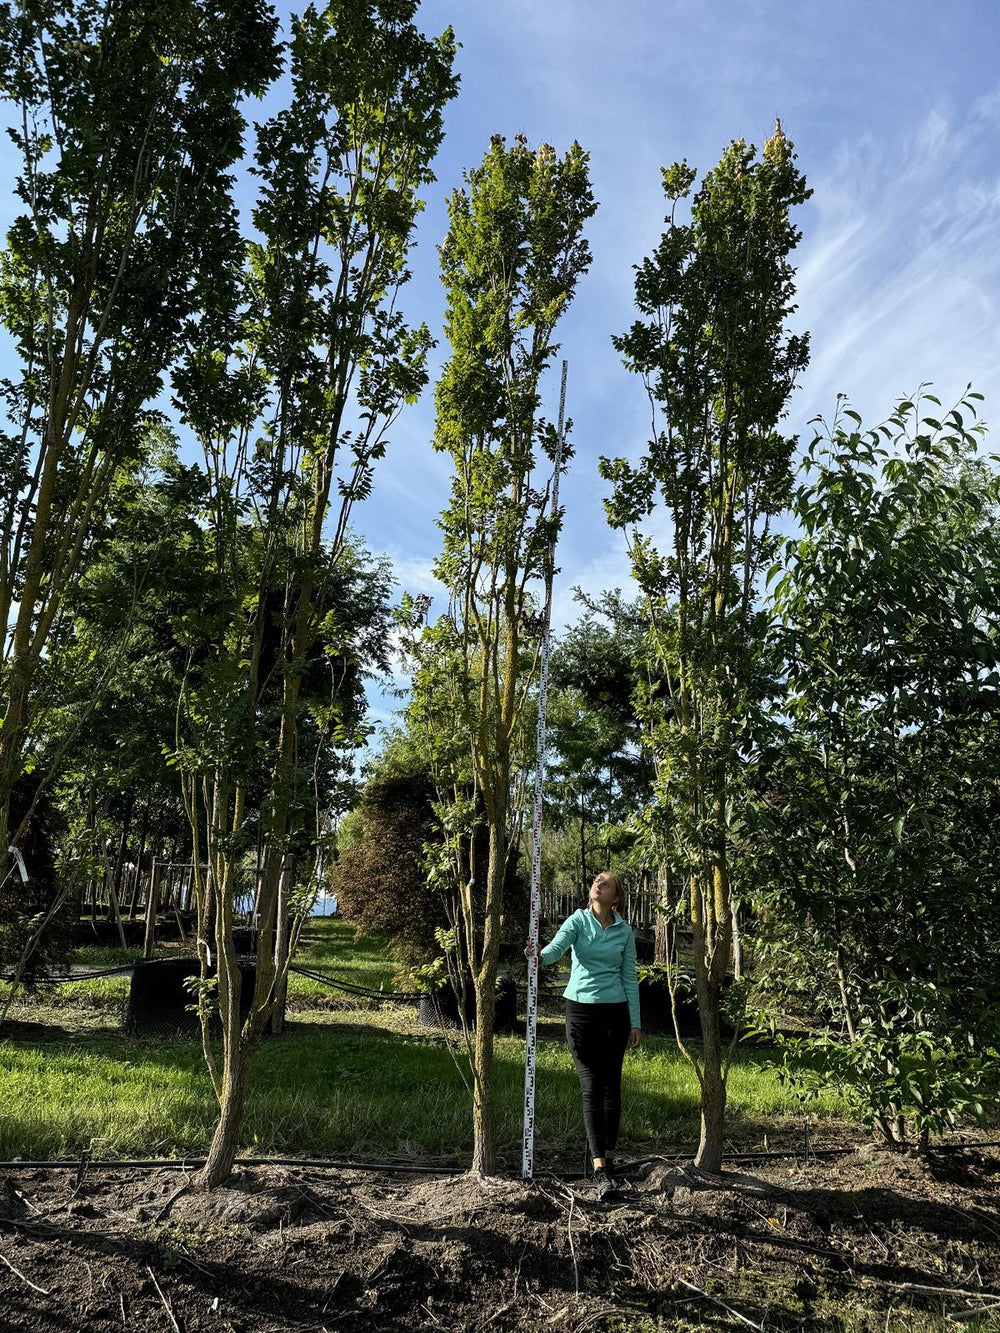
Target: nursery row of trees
{"x": 792, "y": 722}
{"x": 795, "y": 728}
{"x": 212, "y": 620}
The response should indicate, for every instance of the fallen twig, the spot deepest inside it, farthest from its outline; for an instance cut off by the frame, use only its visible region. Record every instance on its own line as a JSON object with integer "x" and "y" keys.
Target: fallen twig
{"x": 166, "y": 1303}
{"x": 517, "y": 1273}
{"x": 503, "y": 1309}
{"x": 593, "y": 1318}
{"x": 920, "y": 1289}
{"x": 34, "y": 1286}
{"x": 572, "y": 1247}
{"x": 401, "y": 1219}
{"x": 721, "y": 1304}
{"x": 959, "y": 1316}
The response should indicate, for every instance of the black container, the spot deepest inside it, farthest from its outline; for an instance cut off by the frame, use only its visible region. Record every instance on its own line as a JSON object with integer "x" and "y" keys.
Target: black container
{"x": 654, "y": 1005}
{"x": 159, "y": 1002}
{"x": 102, "y": 931}
{"x": 441, "y": 1010}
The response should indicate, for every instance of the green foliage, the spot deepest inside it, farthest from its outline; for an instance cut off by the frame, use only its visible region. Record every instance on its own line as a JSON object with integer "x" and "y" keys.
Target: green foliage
{"x": 897, "y": 1069}
{"x": 875, "y": 840}
{"x": 120, "y": 113}
{"x": 718, "y": 364}
{"x": 510, "y": 262}
{"x": 117, "y": 659}
{"x": 598, "y": 771}
{"x": 715, "y": 355}
{"x": 380, "y": 881}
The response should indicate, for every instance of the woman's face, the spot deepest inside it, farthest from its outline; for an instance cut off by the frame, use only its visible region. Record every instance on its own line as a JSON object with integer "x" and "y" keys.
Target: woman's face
{"x": 603, "y": 892}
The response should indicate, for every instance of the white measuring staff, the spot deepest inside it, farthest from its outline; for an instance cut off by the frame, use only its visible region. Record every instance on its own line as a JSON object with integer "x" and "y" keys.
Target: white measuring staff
{"x": 535, "y": 911}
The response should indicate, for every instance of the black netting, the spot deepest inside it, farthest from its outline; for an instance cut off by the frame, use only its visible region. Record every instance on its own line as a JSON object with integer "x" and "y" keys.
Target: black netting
{"x": 441, "y": 1010}
{"x": 159, "y": 1003}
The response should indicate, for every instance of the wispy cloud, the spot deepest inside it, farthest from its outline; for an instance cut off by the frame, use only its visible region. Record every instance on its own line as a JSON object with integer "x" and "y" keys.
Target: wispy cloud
{"x": 900, "y": 268}
{"x": 896, "y": 121}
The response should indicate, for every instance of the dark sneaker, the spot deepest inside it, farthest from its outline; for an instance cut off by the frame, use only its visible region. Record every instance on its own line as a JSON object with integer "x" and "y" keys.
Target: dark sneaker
{"x": 603, "y": 1184}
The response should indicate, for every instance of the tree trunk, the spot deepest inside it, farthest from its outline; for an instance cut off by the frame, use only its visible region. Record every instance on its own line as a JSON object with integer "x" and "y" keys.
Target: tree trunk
{"x": 737, "y": 946}
{"x": 119, "y": 868}
{"x": 713, "y": 946}
{"x": 663, "y": 933}
{"x": 237, "y": 1047}
{"x": 143, "y": 833}
{"x": 225, "y": 1141}
{"x": 483, "y": 1123}
{"x": 583, "y": 844}
{"x": 114, "y": 907}
{"x": 485, "y": 985}
{"x": 152, "y": 902}
{"x": 713, "y": 1086}
{"x": 281, "y": 942}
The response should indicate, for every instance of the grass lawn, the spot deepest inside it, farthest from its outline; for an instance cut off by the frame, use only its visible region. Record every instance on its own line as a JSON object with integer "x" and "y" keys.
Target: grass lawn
{"x": 366, "y": 1084}
{"x": 348, "y": 1077}
{"x": 327, "y": 945}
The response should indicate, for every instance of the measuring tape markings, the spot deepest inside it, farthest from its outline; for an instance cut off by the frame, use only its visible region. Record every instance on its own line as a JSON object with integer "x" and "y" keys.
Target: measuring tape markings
{"x": 531, "y": 1033}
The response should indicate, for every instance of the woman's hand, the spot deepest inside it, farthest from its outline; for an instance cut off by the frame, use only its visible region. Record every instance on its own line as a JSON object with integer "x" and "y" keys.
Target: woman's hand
{"x": 634, "y": 1039}
{"x": 529, "y": 949}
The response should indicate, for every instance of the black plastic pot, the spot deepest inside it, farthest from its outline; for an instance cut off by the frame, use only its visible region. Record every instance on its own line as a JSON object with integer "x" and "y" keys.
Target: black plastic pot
{"x": 158, "y": 1000}
{"x": 654, "y": 1004}
{"x": 441, "y": 1010}
{"x": 103, "y": 931}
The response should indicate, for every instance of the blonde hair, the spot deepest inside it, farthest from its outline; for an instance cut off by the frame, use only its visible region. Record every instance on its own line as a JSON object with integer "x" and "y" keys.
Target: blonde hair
{"x": 609, "y": 877}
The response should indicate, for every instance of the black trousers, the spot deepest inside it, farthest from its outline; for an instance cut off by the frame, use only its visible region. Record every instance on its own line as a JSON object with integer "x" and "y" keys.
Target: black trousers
{"x": 598, "y": 1035}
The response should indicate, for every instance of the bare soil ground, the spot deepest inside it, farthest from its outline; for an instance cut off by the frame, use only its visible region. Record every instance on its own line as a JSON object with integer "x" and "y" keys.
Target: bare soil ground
{"x": 866, "y": 1241}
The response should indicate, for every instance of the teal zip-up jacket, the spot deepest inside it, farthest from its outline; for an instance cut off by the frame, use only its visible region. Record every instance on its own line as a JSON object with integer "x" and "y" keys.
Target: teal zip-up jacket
{"x": 603, "y": 970}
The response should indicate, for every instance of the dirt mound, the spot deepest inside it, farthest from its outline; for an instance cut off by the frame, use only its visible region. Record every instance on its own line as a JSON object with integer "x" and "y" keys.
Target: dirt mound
{"x": 784, "y": 1246}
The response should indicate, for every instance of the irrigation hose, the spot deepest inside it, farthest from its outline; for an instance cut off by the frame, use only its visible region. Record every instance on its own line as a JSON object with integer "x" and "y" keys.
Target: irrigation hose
{"x": 362, "y": 992}
{"x": 62, "y": 978}
{"x": 411, "y": 1168}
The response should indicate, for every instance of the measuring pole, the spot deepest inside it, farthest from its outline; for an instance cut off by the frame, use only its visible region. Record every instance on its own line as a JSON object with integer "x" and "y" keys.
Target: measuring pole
{"x": 531, "y": 1035}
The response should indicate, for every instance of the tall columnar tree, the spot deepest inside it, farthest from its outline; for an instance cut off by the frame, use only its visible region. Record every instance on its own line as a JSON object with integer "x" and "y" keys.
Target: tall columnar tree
{"x": 510, "y": 263}
{"x": 718, "y": 363}
{"x": 291, "y": 392}
{"x": 127, "y": 127}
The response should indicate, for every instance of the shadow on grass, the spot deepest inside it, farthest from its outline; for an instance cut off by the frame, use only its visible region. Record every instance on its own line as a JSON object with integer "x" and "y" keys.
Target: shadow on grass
{"x": 327, "y": 1090}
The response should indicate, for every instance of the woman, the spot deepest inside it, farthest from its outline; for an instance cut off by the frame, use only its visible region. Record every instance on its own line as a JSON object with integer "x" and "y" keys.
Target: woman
{"x": 602, "y": 1013}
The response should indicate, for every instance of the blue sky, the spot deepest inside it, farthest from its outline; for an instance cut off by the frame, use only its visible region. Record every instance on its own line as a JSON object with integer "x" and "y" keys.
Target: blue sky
{"x": 894, "y": 108}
